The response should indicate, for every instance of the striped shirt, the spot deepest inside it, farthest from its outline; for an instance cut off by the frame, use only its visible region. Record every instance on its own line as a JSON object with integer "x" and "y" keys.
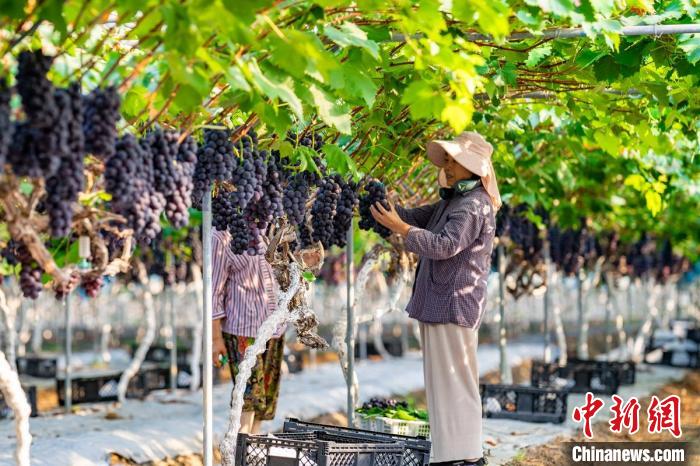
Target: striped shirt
{"x": 244, "y": 289}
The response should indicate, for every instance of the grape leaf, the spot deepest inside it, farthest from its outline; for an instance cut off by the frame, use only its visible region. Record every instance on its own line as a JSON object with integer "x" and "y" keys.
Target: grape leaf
{"x": 535, "y": 56}
{"x": 690, "y": 44}
{"x": 331, "y": 111}
{"x": 277, "y": 89}
{"x": 338, "y": 160}
{"x": 350, "y": 35}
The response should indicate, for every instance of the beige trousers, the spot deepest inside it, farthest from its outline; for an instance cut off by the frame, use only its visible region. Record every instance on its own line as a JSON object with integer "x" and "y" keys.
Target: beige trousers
{"x": 452, "y": 389}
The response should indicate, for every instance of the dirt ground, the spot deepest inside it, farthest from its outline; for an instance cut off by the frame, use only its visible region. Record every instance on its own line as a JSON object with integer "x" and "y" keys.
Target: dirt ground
{"x": 550, "y": 454}
{"x": 688, "y": 389}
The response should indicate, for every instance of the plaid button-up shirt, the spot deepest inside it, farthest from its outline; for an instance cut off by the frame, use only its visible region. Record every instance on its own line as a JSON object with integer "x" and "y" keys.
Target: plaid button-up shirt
{"x": 453, "y": 239}
{"x": 244, "y": 289}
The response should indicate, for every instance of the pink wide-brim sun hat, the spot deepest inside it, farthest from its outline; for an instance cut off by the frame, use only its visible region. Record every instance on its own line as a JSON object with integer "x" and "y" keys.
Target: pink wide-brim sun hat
{"x": 471, "y": 151}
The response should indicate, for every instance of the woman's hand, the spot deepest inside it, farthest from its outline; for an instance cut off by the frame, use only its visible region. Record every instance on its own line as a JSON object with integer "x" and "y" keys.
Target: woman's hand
{"x": 389, "y": 218}
{"x": 218, "y": 348}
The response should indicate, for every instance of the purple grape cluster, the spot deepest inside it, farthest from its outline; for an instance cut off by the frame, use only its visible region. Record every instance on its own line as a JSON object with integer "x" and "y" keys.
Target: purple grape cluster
{"x": 36, "y": 139}
{"x": 63, "y": 188}
{"x": 173, "y": 167}
{"x": 270, "y": 205}
{"x": 6, "y": 127}
{"x": 345, "y": 210}
{"x": 123, "y": 169}
{"x": 92, "y": 286}
{"x": 35, "y": 89}
{"x": 374, "y": 192}
{"x": 129, "y": 178}
{"x": 178, "y": 201}
{"x": 30, "y": 272}
{"x": 384, "y": 404}
{"x": 294, "y": 198}
{"x": 101, "y": 117}
{"x": 215, "y": 162}
{"x": 240, "y": 234}
{"x": 223, "y": 209}
{"x": 323, "y": 211}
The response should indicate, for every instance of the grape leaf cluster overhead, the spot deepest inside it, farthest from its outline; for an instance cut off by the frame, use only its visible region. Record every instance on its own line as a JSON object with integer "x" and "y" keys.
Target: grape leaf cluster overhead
{"x": 604, "y": 125}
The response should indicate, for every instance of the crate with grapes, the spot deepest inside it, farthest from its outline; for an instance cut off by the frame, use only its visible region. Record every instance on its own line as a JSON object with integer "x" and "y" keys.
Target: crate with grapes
{"x": 393, "y": 417}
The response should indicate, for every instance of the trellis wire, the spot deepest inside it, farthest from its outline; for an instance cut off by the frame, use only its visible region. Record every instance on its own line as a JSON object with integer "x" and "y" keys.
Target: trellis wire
{"x": 654, "y": 30}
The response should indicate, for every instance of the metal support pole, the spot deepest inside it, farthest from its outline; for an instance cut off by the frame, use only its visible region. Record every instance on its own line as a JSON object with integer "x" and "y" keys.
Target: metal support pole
{"x": 506, "y": 375}
{"x": 207, "y": 324}
{"x": 362, "y": 336}
{"x": 580, "y": 344}
{"x": 68, "y": 384}
{"x": 548, "y": 277}
{"x": 172, "y": 338}
{"x": 350, "y": 331}
{"x": 405, "y": 342}
{"x": 608, "y": 304}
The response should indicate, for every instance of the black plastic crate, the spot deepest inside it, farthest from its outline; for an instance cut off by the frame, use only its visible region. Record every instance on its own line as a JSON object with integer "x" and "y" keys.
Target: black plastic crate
{"x": 417, "y": 449}
{"x": 37, "y": 366}
{"x": 161, "y": 353}
{"x": 99, "y": 388}
{"x": 694, "y": 335}
{"x": 626, "y": 370}
{"x": 158, "y": 378}
{"x": 315, "y": 448}
{"x": 294, "y": 361}
{"x": 688, "y": 356}
{"x": 392, "y": 345}
{"x": 522, "y": 403}
{"x": 6, "y": 412}
{"x": 582, "y": 376}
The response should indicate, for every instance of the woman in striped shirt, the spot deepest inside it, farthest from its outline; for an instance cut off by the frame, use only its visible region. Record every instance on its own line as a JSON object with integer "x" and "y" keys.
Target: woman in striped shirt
{"x": 244, "y": 295}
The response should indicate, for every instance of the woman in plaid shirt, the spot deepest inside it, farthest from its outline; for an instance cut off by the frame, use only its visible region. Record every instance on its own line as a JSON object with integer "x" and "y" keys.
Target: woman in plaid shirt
{"x": 453, "y": 239}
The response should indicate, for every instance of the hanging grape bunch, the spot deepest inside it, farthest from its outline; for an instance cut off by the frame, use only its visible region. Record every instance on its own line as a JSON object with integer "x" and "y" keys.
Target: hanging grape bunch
{"x": 101, "y": 117}
{"x": 92, "y": 285}
{"x": 129, "y": 177}
{"x": 63, "y": 188}
{"x": 295, "y": 195}
{"x": 503, "y": 221}
{"x": 223, "y": 210}
{"x": 172, "y": 178}
{"x": 304, "y": 239}
{"x": 375, "y": 192}
{"x": 571, "y": 252}
{"x": 122, "y": 169}
{"x": 30, "y": 273}
{"x": 323, "y": 211}
{"x": 179, "y": 200}
{"x": 35, "y": 140}
{"x": 270, "y": 205}
{"x": 525, "y": 235}
{"x": 345, "y": 210}
{"x": 240, "y": 234}
{"x": 215, "y": 162}
{"x": 641, "y": 257}
{"x": 6, "y": 128}
{"x": 257, "y": 229}
{"x": 554, "y": 239}
{"x": 245, "y": 176}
